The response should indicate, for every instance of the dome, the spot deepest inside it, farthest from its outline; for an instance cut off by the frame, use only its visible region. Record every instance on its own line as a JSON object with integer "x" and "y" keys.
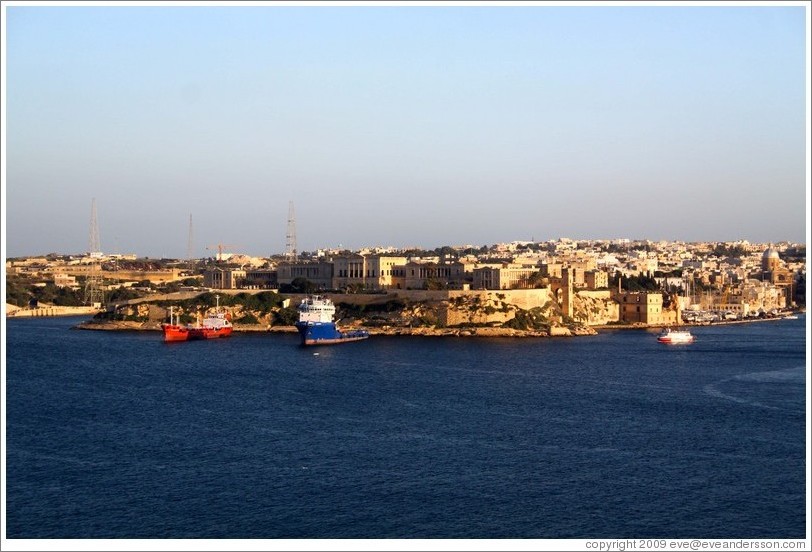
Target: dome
{"x": 770, "y": 253}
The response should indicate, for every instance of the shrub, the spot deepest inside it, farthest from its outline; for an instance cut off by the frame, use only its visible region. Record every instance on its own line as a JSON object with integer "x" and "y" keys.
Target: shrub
{"x": 286, "y": 317}
{"x": 248, "y": 318}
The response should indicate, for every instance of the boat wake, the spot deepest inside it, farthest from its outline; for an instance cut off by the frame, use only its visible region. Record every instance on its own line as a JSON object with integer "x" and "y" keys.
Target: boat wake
{"x": 790, "y": 375}
{"x": 712, "y": 391}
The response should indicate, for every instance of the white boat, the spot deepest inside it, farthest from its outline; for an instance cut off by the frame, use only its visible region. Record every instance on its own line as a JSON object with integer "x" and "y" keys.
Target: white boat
{"x": 675, "y": 336}
{"x": 791, "y": 317}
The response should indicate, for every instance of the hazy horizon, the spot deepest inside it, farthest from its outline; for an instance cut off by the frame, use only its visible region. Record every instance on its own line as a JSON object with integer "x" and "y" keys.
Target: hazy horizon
{"x": 424, "y": 247}
{"x": 402, "y": 125}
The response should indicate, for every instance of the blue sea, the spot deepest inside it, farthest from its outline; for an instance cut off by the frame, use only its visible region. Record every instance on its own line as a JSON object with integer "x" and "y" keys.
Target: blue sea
{"x": 119, "y": 435}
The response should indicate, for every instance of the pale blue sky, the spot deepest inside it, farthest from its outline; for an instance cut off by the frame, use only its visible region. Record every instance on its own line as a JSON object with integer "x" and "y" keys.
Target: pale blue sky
{"x": 402, "y": 125}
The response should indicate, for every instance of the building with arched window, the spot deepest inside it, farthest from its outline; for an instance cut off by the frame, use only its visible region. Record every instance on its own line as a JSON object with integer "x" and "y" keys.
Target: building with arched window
{"x": 774, "y": 272}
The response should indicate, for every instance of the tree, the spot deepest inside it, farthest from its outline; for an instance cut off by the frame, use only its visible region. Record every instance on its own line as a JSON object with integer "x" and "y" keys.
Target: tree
{"x": 641, "y": 282}
{"x": 299, "y": 285}
{"x": 433, "y": 284}
{"x": 286, "y": 317}
{"x": 724, "y": 250}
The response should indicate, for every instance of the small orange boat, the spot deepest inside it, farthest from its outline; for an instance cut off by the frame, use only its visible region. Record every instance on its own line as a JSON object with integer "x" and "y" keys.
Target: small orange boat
{"x": 212, "y": 327}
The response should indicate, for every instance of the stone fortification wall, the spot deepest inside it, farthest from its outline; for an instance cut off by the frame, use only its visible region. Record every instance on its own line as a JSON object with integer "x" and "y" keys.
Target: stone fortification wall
{"x": 491, "y": 306}
{"x": 525, "y": 299}
{"x": 595, "y": 308}
{"x": 458, "y": 307}
{"x": 49, "y": 310}
{"x": 521, "y": 298}
{"x": 125, "y": 275}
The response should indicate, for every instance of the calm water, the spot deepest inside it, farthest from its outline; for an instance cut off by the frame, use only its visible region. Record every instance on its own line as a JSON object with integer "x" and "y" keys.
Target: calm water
{"x": 121, "y": 435}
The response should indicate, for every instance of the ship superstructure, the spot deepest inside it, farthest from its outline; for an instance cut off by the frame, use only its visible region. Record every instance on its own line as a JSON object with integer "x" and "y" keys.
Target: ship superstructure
{"x": 316, "y": 325}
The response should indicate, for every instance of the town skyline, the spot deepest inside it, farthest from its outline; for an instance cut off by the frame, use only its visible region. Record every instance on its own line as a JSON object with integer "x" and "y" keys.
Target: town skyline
{"x": 402, "y": 125}
{"x": 367, "y": 249}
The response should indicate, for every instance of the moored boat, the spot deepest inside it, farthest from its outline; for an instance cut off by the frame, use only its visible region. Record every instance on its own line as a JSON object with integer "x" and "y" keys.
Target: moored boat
{"x": 173, "y": 331}
{"x": 213, "y": 326}
{"x": 316, "y": 325}
{"x": 675, "y": 336}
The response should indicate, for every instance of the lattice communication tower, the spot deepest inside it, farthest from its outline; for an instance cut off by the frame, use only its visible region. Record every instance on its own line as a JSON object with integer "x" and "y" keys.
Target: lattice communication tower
{"x": 94, "y": 292}
{"x": 290, "y": 250}
{"x": 190, "y": 247}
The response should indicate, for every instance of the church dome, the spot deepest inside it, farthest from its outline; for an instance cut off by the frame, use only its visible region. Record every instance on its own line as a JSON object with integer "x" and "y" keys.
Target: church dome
{"x": 770, "y": 260}
{"x": 770, "y": 253}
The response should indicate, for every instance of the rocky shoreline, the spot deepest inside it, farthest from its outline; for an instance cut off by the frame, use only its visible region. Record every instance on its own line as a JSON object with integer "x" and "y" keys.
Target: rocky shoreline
{"x": 423, "y": 331}
{"x": 386, "y": 330}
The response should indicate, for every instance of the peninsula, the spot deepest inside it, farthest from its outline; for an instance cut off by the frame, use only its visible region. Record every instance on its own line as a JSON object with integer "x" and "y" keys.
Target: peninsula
{"x": 558, "y": 287}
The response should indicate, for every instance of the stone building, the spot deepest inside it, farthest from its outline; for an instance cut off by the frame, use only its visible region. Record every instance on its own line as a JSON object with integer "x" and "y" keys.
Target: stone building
{"x": 263, "y": 278}
{"x": 449, "y": 275}
{"x": 368, "y": 271}
{"x": 509, "y": 276}
{"x": 596, "y": 279}
{"x": 223, "y": 278}
{"x": 319, "y": 273}
{"x": 774, "y": 272}
{"x": 62, "y": 280}
{"x": 644, "y": 308}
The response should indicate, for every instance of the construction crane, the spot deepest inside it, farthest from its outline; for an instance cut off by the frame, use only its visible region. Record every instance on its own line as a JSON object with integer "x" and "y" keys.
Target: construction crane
{"x": 220, "y": 247}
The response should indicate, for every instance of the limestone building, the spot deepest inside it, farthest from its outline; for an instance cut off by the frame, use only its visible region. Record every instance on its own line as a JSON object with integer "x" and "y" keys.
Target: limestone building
{"x": 368, "y": 271}
{"x": 449, "y": 275}
{"x": 509, "y": 276}
{"x": 644, "y": 308}
{"x": 223, "y": 278}
{"x": 319, "y": 273}
{"x": 774, "y": 272}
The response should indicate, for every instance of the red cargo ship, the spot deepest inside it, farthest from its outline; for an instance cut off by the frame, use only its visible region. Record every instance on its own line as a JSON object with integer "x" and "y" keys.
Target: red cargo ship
{"x": 212, "y": 327}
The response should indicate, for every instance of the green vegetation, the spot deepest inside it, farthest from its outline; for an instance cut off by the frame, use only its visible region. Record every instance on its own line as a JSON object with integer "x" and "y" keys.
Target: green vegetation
{"x": 119, "y": 316}
{"x": 299, "y": 285}
{"x": 725, "y": 250}
{"x": 357, "y": 311}
{"x": 537, "y": 280}
{"x": 248, "y": 318}
{"x": 641, "y": 282}
{"x": 285, "y": 317}
{"x": 19, "y": 291}
{"x": 532, "y": 319}
{"x": 122, "y": 294}
{"x": 432, "y": 284}
{"x": 262, "y": 302}
{"x": 795, "y": 254}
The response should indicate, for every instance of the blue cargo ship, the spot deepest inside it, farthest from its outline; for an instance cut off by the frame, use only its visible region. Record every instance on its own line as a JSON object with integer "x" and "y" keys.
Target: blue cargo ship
{"x": 316, "y": 326}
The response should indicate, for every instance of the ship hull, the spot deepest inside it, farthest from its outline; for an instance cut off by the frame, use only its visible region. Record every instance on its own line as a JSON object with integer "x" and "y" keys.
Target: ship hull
{"x": 174, "y": 332}
{"x": 326, "y": 333}
{"x": 675, "y": 338}
{"x": 209, "y": 333}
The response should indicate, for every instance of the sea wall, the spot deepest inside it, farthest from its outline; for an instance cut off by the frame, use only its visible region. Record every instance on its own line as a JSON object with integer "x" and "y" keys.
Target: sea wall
{"x": 48, "y": 310}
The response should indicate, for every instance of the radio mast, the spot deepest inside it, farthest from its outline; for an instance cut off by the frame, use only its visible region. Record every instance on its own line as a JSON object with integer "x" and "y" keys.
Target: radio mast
{"x": 290, "y": 251}
{"x": 190, "y": 247}
{"x": 94, "y": 294}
